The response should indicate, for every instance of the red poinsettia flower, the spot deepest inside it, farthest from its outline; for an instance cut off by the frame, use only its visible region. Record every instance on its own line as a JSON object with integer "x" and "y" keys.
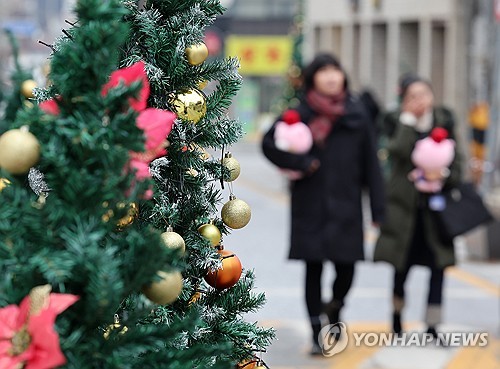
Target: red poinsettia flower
{"x": 27, "y": 336}
{"x": 156, "y": 125}
{"x": 128, "y": 76}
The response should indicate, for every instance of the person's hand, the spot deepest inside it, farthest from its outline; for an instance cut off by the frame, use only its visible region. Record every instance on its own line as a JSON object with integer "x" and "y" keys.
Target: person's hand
{"x": 437, "y": 175}
{"x": 415, "y": 106}
{"x": 418, "y": 99}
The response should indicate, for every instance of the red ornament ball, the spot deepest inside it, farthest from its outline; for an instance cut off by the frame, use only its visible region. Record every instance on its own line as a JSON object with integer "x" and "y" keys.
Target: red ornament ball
{"x": 228, "y": 275}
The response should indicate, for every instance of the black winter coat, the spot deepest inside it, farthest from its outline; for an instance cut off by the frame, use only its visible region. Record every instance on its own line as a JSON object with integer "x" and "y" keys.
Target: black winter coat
{"x": 326, "y": 214}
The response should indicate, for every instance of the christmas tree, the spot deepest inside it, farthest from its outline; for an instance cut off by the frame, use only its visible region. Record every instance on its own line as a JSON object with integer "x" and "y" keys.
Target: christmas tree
{"x": 87, "y": 242}
{"x": 168, "y": 36}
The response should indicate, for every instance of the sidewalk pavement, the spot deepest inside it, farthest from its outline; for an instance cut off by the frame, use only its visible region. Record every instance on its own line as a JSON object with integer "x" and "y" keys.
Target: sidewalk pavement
{"x": 471, "y": 295}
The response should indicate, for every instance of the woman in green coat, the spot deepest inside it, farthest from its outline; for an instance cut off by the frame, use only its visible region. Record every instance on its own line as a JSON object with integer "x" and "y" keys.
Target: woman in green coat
{"x": 410, "y": 236}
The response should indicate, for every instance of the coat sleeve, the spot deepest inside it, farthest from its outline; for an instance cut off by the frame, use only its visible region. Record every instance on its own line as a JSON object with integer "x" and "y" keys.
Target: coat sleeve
{"x": 283, "y": 159}
{"x": 401, "y": 144}
{"x": 372, "y": 174}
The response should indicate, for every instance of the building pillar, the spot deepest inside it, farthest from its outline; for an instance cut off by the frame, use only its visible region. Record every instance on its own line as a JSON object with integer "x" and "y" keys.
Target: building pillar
{"x": 325, "y": 39}
{"x": 392, "y": 62}
{"x": 346, "y": 49}
{"x": 425, "y": 48}
{"x": 308, "y": 46}
{"x": 450, "y": 61}
{"x": 365, "y": 54}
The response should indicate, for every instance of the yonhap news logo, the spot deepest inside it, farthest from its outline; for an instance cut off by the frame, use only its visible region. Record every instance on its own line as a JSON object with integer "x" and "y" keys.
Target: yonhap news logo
{"x": 419, "y": 339}
{"x": 334, "y": 338}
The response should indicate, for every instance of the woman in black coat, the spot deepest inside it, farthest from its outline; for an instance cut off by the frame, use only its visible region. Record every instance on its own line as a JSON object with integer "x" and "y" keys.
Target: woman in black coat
{"x": 327, "y": 221}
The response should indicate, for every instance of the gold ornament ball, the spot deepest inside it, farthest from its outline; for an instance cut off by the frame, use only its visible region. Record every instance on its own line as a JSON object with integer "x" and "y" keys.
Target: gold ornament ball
{"x": 132, "y": 214}
{"x": 19, "y": 151}
{"x": 189, "y": 104}
{"x": 27, "y": 88}
{"x": 4, "y": 182}
{"x": 197, "y": 54}
{"x": 211, "y": 233}
{"x": 236, "y": 213}
{"x": 166, "y": 290}
{"x": 173, "y": 240}
{"x": 233, "y": 166}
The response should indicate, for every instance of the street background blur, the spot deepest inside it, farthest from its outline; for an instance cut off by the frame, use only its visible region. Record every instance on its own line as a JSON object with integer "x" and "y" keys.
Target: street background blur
{"x": 453, "y": 43}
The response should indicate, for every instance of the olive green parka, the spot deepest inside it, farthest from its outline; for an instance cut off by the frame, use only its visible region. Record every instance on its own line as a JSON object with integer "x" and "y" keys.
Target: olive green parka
{"x": 396, "y": 233}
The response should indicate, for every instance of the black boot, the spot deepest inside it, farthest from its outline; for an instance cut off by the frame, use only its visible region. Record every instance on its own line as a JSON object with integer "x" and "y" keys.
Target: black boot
{"x": 396, "y": 323}
{"x": 432, "y": 331}
{"x": 398, "y": 304}
{"x": 332, "y": 311}
{"x": 435, "y": 336}
{"x": 316, "y": 339}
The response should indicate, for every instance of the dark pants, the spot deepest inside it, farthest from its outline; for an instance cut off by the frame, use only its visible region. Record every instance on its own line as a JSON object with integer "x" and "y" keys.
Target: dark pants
{"x": 435, "y": 285}
{"x": 341, "y": 285}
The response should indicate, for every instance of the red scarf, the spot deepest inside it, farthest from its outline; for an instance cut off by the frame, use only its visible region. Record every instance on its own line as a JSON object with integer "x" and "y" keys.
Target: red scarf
{"x": 328, "y": 110}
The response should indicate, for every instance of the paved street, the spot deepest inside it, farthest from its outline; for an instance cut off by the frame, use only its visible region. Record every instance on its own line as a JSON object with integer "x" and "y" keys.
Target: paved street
{"x": 471, "y": 301}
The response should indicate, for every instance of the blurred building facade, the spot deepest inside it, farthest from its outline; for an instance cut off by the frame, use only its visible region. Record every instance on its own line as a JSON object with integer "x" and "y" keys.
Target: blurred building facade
{"x": 378, "y": 40}
{"x": 258, "y": 32}
{"x": 30, "y": 21}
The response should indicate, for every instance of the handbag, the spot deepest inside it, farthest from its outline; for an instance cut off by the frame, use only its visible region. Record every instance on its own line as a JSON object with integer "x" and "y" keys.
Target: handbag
{"x": 463, "y": 210}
